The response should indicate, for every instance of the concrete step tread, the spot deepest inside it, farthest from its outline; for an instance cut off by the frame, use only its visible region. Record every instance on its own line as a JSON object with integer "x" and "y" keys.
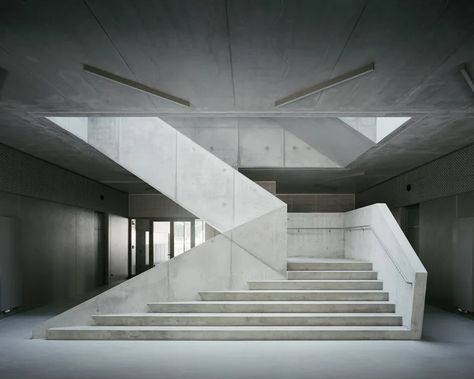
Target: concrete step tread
{"x": 323, "y": 260}
{"x": 291, "y": 291}
{"x": 332, "y": 275}
{"x": 250, "y": 314}
{"x": 318, "y": 281}
{"x": 319, "y": 284}
{"x": 228, "y": 328}
{"x": 333, "y": 271}
{"x": 236, "y": 333}
{"x": 329, "y": 266}
{"x": 303, "y": 295}
{"x": 279, "y": 302}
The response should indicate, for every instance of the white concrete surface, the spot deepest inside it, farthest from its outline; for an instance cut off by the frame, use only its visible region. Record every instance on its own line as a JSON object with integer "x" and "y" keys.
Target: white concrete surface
{"x": 247, "y": 333}
{"x": 374, "y": 235}
{"x": 297, "y": 284}
{"x": 318, "y": 235}
{"x": 298, "y": 295}
{"x": 273, "y": 306}
{"x": 284, "y": 309}
{"x": 369, "y": 234}
{"x": 254, "y": 143}
{"x": 445, "y": 350}
{"x": 249, "y": 319}
{"x": 252, "y": 221}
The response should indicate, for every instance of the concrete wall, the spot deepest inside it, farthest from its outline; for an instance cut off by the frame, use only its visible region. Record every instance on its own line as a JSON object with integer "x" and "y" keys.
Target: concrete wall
{"x": 444, "y": 193}
{"x": 372, "y": 234}
{"x": 443, "y": 226}
{"x": 158, "y": 205}
{"x": 155, "y": 205}
{"x": 58, "y": 249}
{"x": 252, "y": 142}
{"x": 58, "y": 230}
{"x": 316, "y": 235}
{"x": 318, "y": 202}
{"x": 450, "y": 175}
{"x": 25, "y": 175}
{"x": 253, "y": 225}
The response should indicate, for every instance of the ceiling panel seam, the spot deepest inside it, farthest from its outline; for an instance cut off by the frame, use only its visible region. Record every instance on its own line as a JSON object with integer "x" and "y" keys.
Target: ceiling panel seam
{"x": 230, "y": 49}
{"x": 122, "y": 58}
{"x": 356, "y": 23}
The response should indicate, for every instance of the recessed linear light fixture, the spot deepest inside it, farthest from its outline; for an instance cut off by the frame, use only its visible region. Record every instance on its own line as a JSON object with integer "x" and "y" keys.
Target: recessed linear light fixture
{"x": 135, "y": 85}
{"x": 325, "y": 85}
{"x": 467, "y": 77}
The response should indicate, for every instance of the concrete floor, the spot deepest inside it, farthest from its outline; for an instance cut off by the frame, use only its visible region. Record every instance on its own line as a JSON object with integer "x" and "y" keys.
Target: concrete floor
{"x": 447, "y": 350}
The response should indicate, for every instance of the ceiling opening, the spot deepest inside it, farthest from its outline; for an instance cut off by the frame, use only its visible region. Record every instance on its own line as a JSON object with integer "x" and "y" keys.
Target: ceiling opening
{"x": 375, "y": 128}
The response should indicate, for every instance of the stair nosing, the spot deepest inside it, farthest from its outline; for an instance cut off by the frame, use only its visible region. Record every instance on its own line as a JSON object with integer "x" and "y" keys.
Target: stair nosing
{"x": 232, "y": 328}
{"x": 317, "y": 281}
{"x": 296, "y": 291}
{"x": 275, "y": 302}
{"x": 250, "y": 314}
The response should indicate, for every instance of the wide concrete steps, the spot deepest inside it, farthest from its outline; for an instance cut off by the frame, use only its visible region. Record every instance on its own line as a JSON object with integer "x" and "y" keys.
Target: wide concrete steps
{"x": 301, "y": 295}
{"x": 228, "y": 333}
{"x": 273, "y": 306}
{"x": 249, "y": 319}
{"x": 322, "y": 299}
{"x": 316, "y": 285}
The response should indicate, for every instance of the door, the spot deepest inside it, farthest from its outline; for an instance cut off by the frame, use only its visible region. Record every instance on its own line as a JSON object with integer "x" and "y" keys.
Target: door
{"x": 10, "y": 282}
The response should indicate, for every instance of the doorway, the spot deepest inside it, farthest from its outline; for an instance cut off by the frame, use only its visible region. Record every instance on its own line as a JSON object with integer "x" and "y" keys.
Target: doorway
{"x": 410, "y": 224}
{"x": 154, "y": 241}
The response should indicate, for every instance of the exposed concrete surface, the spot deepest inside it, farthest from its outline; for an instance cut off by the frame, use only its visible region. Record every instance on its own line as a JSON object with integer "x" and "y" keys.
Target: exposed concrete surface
{"x": 310, "y": 235}
{"x": 369, "y": 234}
{"x": 252, "y": 220}
{"x": 318, "y": 202}
{"x": 381, "y": 241}
{"x": 236, "y": 58}
{"x": 437, "y": 214}
{"x": 58, "y": 254}
{"x": 446, "y": 350}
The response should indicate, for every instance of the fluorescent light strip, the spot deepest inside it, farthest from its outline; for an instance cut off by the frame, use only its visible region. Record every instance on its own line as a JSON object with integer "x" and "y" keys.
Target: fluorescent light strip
{"x": 325, "y": 85}
{"x": 135, "y": 85}
{"x": 467, "y": 77}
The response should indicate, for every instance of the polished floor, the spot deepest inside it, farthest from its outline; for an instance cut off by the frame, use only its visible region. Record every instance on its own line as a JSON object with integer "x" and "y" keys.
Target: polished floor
{"x": 446, "y": 351}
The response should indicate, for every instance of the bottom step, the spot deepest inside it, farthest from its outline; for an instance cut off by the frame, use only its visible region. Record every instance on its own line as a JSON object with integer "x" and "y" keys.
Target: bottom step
{"x": 249, "y": 319}
{"x": 228, "y": 333}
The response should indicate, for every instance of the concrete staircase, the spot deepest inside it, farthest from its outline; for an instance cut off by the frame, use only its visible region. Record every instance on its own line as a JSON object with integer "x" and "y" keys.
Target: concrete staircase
{"x": 321, "y": 299}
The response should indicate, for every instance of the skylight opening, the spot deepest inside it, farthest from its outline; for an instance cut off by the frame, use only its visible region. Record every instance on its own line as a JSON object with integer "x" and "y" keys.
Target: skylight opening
{"x": 387, "y": 125}
{"x": 375, "y": 128}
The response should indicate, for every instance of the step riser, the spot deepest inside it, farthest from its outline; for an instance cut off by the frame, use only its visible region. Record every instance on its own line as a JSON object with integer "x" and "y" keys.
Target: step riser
{"x": 228, "y": 335}
{"x": 295, "y": 296}
{"x": 272, "y": 308}
{"x": 250, "y": 321}
{"x": 289, "y": 285}
{"x": 330, "y": 266}
{"x": 332, "y": 275}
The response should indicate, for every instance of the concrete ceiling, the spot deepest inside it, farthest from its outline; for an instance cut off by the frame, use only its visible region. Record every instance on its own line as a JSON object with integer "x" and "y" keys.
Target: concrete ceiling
{"x": 234, "y": 59}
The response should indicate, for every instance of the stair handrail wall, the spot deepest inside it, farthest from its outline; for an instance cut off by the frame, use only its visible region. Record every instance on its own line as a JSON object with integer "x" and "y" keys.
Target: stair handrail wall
{"x": 361, "y": 227}
{"x": 374, "y": 235}
{"x": 385, "y": 249}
